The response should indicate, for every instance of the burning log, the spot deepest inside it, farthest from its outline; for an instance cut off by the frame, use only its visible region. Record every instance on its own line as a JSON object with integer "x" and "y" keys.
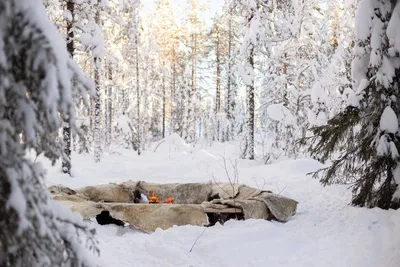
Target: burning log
{"x": 153, "y": 198}
{"x": 170, "y": 200}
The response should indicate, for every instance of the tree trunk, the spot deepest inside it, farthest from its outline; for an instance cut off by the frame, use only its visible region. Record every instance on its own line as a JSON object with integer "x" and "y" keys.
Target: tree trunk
{"x": 250, "y": 102}
{"x": 250, "y": 110}
{"x": 164, "y": 99}
{"x": 97, "y": 111}
{"x": 218, "y": 86}
{"x": 66, "y": 161}
{"x": 229, "y": 94}
{"x": 192, "y": 96}
{"x": 174, "y": 117}
{"x": 91, "y": 103}
{"x": 139, "y": 141}
{"x": 109, "y": 108}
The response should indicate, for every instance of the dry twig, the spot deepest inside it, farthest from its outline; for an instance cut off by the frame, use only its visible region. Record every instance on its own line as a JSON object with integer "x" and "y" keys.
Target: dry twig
{"x": 196, "y": 240}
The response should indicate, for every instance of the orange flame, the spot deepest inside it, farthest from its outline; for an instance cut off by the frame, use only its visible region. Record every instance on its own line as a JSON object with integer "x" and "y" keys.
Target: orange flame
{"x": 153, "y": 198}
{"x": 170, "y": 200}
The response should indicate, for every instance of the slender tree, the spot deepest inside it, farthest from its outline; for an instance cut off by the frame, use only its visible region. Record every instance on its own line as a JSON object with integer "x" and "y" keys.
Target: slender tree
{"x": 164, "y": 104}
{"x": 250, "y": 102}
{"x": 218, "y": 52}
{"x": 97, "y": 101}
{"x": 66, "y": 162}
{"x": 196, "y": 46}
{"x": 230, "y": 88}
{"x": 248, "y": 72}
{"x": 109, "y": 113}
{"x": 139, "y": 133}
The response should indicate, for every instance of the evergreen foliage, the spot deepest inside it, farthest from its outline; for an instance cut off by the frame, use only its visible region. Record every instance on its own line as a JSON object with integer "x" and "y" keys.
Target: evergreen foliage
{"x": 365, "y": 136}
{"x": 36, "y": 78}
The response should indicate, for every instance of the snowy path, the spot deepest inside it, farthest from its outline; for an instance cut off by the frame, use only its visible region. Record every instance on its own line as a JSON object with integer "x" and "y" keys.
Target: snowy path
{"x": 324, "y": 232}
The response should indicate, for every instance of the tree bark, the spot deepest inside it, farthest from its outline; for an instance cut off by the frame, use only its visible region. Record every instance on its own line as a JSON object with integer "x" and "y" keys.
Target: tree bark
{"x": 109, "y": 107}
{"x": 97, "y": 111}
{"x": 174, "y": 117}
{"x": 164, "y": 99}
{"x": 250, "y": 110}
{"x": 250, "y": 100}
{"x": 191, "y": 109}
{"x": 139, "y": 141}
{"x": 230, "y": 104}
{"x": 66, "y": 161}
{"x": 218, "y": 85}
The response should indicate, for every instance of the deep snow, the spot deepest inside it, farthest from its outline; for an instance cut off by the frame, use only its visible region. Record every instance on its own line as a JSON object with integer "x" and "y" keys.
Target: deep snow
{"x": 326, "y": 231}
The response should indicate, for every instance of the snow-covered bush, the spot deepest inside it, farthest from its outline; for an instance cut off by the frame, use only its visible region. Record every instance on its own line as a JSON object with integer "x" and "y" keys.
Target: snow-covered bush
{"x": 83, "y": 137}
{"x": 124, "y": 134}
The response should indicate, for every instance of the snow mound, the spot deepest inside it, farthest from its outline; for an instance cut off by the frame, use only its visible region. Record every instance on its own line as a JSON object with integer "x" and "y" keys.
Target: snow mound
{"x": 172, "y": 143}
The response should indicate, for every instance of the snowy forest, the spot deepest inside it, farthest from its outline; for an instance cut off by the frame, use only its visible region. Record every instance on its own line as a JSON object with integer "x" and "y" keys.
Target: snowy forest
{"x": 299, "y": 99}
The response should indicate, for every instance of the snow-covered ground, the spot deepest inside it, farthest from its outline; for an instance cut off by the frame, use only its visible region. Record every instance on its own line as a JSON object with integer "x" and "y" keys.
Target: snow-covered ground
{"x": 326, "y": 231}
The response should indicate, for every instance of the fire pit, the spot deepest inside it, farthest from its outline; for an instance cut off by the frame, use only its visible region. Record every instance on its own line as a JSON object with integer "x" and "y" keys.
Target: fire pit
{"x": 153, "y": 198}
{"x": 201, "y": 204}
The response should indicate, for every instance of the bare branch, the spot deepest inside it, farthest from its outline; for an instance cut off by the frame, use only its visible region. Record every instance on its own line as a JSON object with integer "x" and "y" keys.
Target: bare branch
{"x": 197, "y": 239}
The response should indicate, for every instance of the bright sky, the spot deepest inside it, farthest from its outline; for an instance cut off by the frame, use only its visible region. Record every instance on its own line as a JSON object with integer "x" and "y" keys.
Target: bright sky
{"x": 215, "y": 5}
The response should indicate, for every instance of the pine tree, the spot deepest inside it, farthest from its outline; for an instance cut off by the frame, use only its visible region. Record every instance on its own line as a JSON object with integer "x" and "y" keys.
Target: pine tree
{"x": 366, "y": 134}
{"x": 167, "y": 33}
{"x": 196, "y": 46}
{"x": 37, "y": 83}
{"x": 218, "y": 46}
{"x": 336, "y": 77}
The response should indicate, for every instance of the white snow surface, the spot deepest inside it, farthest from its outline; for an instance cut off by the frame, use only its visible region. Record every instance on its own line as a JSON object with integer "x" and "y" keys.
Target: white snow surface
{"x": 326, "y": 231}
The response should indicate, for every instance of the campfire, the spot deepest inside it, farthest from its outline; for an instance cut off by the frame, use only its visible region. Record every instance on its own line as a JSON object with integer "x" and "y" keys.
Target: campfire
{"x": 136, "y": 203}
{"x": 170, "y": 200}
{"x": 155, "y": 199}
